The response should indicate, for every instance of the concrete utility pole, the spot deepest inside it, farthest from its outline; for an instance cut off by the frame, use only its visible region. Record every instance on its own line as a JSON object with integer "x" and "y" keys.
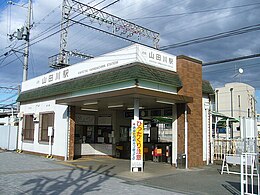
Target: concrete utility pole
{"x": 27, "y": 39}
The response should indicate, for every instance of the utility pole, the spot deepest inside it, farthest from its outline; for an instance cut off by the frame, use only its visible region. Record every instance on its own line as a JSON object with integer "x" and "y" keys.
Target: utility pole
{"x": 27, "y": 39}
{"x": 23, "y": 33}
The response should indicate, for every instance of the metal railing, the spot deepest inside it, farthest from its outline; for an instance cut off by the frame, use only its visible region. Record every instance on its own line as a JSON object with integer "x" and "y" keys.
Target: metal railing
{"x": 249, "y": 170}
{"x": 233, "y": 146}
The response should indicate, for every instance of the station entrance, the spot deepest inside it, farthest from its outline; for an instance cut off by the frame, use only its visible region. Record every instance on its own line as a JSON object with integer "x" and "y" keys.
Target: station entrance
{"x": 95, "y": 133}
{"x": 102, "y": 123}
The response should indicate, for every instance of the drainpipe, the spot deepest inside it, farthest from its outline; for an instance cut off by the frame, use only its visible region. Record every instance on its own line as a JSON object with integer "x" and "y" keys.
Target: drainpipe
{"x": 227, "y": 138}
{"x": 66, "y": 134}
{"x": 206, "y": 125}
{"x": 186, "y": 134}
{"x": 211, "y": 137}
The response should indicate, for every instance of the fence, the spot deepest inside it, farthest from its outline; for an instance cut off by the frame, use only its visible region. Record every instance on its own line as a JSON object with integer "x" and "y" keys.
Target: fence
{"x": 8, "y": 137}
{"x": 249, "y": 170}
{"x": 233, "y": 146}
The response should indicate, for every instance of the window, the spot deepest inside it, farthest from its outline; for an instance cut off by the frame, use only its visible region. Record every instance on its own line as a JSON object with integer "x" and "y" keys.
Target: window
{"x": 46, "y": 120}
{"x": 28, "y": 127}
{"x": 93, "y": 134}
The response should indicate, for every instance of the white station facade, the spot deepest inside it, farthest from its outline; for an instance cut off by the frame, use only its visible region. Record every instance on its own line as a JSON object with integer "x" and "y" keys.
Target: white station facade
{"x": 87, "y": 108}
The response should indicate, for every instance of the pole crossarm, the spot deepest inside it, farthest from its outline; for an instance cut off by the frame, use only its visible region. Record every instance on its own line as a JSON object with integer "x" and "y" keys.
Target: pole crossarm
{"x": 79, "y": 54}
{"x": 115, "y": 24}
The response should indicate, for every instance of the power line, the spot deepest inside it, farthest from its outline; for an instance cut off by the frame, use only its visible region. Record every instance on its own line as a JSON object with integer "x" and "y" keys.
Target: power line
{"x": 214, "y": 37}
{"x": 56, "y": 25}
{"x": 11, "y": 62}
{"x": 156, "y": 10}
{"x": 46, "y": 16}
{"x": 115, "y": 35}
{"x": 232, "y": 59}
{"x": 205, "y": 20}
{"x": 109, "y": 4}
{"x": 8, "y": 89}
{"x": 229, "y": 68}
{"x": 4, "y": 100}
{"x": 194, "y": 12}
{"x": 8, "y": 106}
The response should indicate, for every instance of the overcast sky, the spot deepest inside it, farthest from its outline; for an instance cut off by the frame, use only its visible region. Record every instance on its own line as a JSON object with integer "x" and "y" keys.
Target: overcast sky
{"x": 176, "y": 21}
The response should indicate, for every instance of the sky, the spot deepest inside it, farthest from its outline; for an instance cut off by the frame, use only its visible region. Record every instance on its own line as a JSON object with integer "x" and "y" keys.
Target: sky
{"x": 177, "y": 21}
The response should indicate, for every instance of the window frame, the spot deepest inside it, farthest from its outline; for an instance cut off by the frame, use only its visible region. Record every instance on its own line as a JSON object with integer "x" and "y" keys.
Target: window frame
{"x": 40, "y": 135}
{"x": 28, "y": 131}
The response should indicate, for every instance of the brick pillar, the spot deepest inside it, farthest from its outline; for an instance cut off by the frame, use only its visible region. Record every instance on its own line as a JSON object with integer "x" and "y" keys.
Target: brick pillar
{"x": 190, "y": 72}
{"x": 71, "y": 132}
{"x": 180, "y": 126}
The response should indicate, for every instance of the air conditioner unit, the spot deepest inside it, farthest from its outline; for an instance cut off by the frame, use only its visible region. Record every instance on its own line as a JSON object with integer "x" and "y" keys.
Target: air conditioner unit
{"x": 36, "y": 117}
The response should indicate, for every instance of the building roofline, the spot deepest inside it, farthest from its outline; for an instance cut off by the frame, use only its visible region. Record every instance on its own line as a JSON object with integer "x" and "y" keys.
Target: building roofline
{"x": 189, "y": 58}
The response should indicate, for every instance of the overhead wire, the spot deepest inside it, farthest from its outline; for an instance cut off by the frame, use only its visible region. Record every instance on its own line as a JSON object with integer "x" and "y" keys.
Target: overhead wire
{"x": 214, "y": 37}
{"x": 75, "y": 42}
{"x": 229, "y": 68}
{"x": 32, "y": 61}
{"x": 99, "y": 3}
{"x": 4, "y": 100}
{"x": 46, "y": 16}
{"x": 2, "y": 8}
{"x": 184, "y": 27}
{"x": 18, "y": 57}
{"x": 232, "y": 59}
{"x": 57, "y": 24}
{"x": 53, "y": 27}
{"x": 193, "y": 12}
{"x": 10, "y": 62}
{"x": 44, "y": 38}
{"x": 163, "y": 48}
{"x": 93, "y": 36}
{"x": 42, "y": 33}
{"x": 97, "y": 45}
{"x": 77, "y": 15}
{"x": 48, "y": 36}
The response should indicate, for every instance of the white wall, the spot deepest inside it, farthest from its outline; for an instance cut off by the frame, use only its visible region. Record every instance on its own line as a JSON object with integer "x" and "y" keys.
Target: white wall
{"x": 93, "y": 149}
{"x": 243, "y": 103}
{"x": 243, "y": 99}
{"x": 8, "y": 120}
{"x": 60, "y": 128}
{"x": 8, "y": 137}
{"x": 4, "y": 121}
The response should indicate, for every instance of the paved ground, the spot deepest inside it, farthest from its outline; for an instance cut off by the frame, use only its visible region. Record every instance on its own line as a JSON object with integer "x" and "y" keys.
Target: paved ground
{"x": 204, "y": 180}
{"x": 28, "y": 174}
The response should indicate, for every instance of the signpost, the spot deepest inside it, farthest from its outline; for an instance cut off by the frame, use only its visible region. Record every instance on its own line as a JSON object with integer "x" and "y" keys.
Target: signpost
{"x": 50, "y": 134}
{"x": 137, "y": 132}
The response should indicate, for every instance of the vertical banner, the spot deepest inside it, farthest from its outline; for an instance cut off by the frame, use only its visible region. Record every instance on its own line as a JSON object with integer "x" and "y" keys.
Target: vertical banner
{"x": 137, "y": 132}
